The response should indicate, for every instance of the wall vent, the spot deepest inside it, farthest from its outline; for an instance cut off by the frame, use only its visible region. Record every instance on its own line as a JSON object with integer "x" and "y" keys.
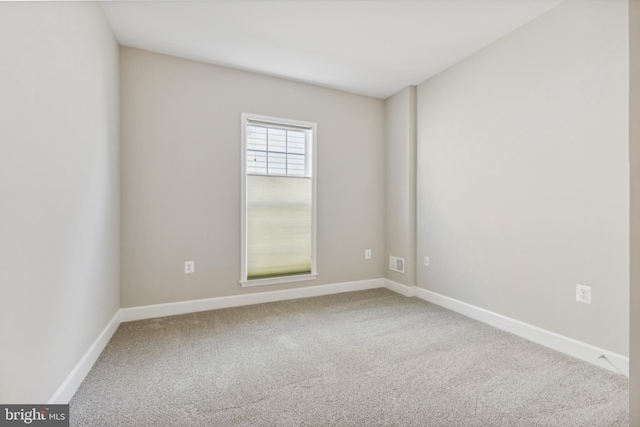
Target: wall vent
{"x": 396, "y": 264}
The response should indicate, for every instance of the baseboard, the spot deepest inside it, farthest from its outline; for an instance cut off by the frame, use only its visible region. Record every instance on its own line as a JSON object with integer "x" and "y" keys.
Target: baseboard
{"x": 193, "y": 306}
{"x": 580, "y": 350}
{"x": 407, "y": 291}
{"x": 70, "y": 385}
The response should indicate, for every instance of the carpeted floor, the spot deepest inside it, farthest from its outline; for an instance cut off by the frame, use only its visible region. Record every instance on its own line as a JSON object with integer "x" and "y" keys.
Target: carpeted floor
{"x": 370, "y": 358}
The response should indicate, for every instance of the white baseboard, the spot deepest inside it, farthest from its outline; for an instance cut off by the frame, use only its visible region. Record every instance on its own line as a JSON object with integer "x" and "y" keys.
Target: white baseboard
{"x": 580, "y": 350}
{"x": 70, "y": 385}
{"x": 193, "y": 306}
{"x": 407, "y": 291}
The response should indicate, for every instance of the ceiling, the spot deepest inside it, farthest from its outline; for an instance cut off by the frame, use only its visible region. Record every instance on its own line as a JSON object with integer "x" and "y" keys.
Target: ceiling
{"x": 370, "y": 47}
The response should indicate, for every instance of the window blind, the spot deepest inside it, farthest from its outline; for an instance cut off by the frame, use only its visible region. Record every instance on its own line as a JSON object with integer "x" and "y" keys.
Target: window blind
{"x": 279, "y": 226}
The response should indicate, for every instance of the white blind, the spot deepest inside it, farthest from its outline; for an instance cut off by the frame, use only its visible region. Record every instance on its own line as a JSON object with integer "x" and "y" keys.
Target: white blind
{"x": 279, "y": 226}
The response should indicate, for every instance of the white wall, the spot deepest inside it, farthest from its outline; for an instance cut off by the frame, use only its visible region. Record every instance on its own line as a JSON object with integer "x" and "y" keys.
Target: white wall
{"x": 181, "y": 176}
{"x": 523, "y": 175}
{"x": 400, "y": 137}
{"x": 59, "y": 191}
{"x": 634, "y": 159}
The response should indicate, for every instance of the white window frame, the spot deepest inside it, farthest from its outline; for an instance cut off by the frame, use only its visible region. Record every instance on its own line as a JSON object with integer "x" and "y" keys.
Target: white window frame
{"x": 311, "y": 129}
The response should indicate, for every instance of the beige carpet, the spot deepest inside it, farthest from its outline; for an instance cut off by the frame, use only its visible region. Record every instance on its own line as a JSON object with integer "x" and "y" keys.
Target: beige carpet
{"x": 370, "y": 358}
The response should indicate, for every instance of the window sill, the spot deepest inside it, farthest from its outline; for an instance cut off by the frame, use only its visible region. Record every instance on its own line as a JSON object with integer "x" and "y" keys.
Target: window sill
{"x": 276, "y": 280}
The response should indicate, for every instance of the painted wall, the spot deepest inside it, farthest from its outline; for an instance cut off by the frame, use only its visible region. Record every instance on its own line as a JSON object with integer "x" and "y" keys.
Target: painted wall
{"x": 634, "y": 161}
{"x": 523, "y": 175}
{"x": 180, "y": 162}
{"x": 400, "y": 117}
{"x": 59, "y": 186}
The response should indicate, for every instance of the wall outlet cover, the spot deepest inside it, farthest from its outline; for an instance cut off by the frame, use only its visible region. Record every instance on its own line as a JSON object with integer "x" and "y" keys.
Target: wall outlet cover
{"x": 189, "y": 267}
{"x": 583, "y": 294}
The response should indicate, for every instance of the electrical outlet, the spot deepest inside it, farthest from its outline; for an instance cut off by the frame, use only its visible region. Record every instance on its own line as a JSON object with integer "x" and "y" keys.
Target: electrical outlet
{"x": 189, "y": 267}
{"x": 367, "y": 254}
{"x": 583, "y": 294}
{"x": 426, "y": 261}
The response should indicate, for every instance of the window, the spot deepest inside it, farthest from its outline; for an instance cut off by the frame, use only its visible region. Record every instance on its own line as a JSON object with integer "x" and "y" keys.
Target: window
{"x": 278, "y": 201}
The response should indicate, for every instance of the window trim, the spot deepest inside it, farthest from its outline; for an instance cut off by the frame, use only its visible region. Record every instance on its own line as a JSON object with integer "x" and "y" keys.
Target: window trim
{"x": 311, "y": 128}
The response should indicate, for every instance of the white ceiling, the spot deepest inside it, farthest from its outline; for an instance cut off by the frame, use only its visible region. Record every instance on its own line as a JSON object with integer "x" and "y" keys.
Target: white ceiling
{"x": 370, "y": 47}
